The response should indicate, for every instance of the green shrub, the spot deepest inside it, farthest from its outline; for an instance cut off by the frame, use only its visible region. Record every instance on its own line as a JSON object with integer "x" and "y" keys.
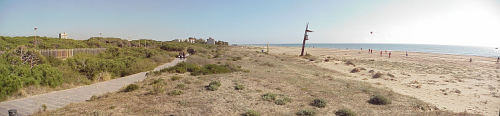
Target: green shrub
{"x": 379, "y": 100}
{"x": 287, "y": 99}
{"x": 252, "y": 113}
{"x": 213, "y": 87}
{"x": 175, "y": 78}
{"x": 239, "y": 87}
{"x": 318, "y": 102}
{"x": 280, "y": 102}
{"x": 157, "y": 88}
{"x": 306, "y": 112}
{"x": 215, "y": 69}
{"x": 131, "y": 87}
{"x": 112, "y": 107}
{"x": 269, "y": 97}
{"x": 156, "y": 81}
{"x": 180, "y": 86}
{"x": 345, "y": 112}
{"x": 216, "y": 83}
{"x": 176, "y": 92}
{"x": 44, "y": 107}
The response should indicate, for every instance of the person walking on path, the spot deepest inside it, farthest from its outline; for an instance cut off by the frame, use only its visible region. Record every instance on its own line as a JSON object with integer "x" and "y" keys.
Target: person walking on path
{"x": 184, "y": 55}
{"x": 180, "y": 55}
{"x": 389, "y": 54}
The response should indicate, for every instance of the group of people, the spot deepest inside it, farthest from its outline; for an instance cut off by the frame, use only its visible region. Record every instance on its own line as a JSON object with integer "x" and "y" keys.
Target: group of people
{"x": 182, "y": 55}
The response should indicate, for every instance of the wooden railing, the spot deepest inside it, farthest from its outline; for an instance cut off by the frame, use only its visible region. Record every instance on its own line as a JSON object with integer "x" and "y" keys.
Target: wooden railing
{"x": 66, "y": 53}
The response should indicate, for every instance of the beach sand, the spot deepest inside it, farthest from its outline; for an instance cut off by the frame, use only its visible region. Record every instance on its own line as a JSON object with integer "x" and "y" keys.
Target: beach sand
{"x": 450, "y": 82}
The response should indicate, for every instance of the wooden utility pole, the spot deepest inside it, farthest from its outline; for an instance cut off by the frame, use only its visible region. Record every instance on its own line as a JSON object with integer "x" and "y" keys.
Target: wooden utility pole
{"x": 305, "y": 38}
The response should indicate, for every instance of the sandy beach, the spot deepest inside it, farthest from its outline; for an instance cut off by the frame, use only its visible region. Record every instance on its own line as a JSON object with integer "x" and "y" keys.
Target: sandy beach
{"x": 450, "y": 82}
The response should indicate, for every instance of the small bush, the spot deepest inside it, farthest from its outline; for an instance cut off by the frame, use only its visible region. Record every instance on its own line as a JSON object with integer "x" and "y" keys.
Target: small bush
{"x": 44, "y": 107}
{"x": 131, "y": 87}
{"x": 280, "y": 102}
{"x": 269, "y": 97}
{"x": 175, "y": 78}
{"x": 180, "y": 86}
{"x": 306, "y": 112}
{"x": 377, "y": 75}
{"x": 252, "y": 113}
{"x": 112, "y": 107}
{"x": 157, "y": 88}
{"x": 176, "y": 92}
{"x": 239, "y": 87}
{"x": 355, "y": 70}
{"x": 319, "y": 103}
{"x": 157, "y": 81}
{"x": 345, "y": 112}
{"x": 216, "y": 83}
{"x": 268, "y": 64}
{"x": 287, "y": 99}
{"x": 213, "y": 87}
{"x": 379, "y": 100}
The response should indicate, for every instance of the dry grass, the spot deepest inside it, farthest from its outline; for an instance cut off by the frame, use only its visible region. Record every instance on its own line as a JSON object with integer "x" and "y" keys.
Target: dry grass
{"x": 200, "y": 61}
{"x": 286, "y": 81}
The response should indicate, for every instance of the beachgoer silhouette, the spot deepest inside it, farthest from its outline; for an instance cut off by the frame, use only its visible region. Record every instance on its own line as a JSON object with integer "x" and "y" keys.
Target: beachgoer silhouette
{"x": 183, "y": 55}
{"x": 498, "y": 59}
{"x": 406, "y": 53}
{"x": 380, "y": 53}
{"x": 389, "y": 54}
{"x": 180, "y": 55}
{"x": 361, "y": 48}
{"x": 470, "y": 60}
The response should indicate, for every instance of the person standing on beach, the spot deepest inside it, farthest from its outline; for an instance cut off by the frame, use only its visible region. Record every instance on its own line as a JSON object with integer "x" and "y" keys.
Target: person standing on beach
{"x": 498, "y": 59}
{"x": 389, "y": 54}
{"x": 470, "y": 60}
{"x": 406, "y": 53}
{"x": 380, "y": 53}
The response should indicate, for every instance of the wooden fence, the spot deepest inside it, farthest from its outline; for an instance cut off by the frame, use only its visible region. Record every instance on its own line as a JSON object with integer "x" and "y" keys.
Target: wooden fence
{"x": 66, "y": 53}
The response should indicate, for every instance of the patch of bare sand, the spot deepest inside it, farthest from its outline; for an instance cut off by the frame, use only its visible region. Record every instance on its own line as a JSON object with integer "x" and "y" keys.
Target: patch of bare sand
{"x": 450, "y": 82}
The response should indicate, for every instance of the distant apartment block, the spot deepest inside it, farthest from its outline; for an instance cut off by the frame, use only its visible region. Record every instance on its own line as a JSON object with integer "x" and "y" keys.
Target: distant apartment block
{"x": 211, "y": 41}
{"x": 185, "y": 40}
{"x": 63, "y": 35}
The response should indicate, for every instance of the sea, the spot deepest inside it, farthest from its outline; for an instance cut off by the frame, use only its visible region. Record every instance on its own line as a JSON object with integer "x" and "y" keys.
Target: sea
{"x": 439, "y": 49}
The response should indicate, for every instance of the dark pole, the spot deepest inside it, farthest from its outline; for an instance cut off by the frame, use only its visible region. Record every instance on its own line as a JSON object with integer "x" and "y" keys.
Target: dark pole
{"x": 304, "y": 42}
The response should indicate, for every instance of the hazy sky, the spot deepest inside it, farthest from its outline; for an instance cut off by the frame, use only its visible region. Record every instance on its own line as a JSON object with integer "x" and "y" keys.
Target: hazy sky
{"x": 449, "y": 22}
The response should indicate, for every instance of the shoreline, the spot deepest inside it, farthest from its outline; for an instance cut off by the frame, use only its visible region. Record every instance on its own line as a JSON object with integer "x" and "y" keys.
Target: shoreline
{"x": 392, "y": 50}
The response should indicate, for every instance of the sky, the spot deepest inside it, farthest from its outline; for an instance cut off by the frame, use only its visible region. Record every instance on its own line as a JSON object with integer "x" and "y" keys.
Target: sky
{"x": 442, "y": 22}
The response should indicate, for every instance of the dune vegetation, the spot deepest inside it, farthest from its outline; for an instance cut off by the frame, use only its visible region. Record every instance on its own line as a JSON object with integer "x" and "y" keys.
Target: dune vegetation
{"x": 22, "y": 76}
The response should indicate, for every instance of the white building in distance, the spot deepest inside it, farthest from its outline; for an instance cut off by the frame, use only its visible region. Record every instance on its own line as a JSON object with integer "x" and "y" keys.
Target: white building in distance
{"x": 185, "y": 40}
{"x": 63, "y": 35}
{"x": 211, "y": 41}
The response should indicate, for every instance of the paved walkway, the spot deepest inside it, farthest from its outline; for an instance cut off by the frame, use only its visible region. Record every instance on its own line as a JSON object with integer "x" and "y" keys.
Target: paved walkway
{"x": 58, "y": 99}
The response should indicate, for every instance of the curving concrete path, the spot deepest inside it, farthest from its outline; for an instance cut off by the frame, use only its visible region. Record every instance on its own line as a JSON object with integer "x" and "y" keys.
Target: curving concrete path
{"x": 58, "y": 99}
